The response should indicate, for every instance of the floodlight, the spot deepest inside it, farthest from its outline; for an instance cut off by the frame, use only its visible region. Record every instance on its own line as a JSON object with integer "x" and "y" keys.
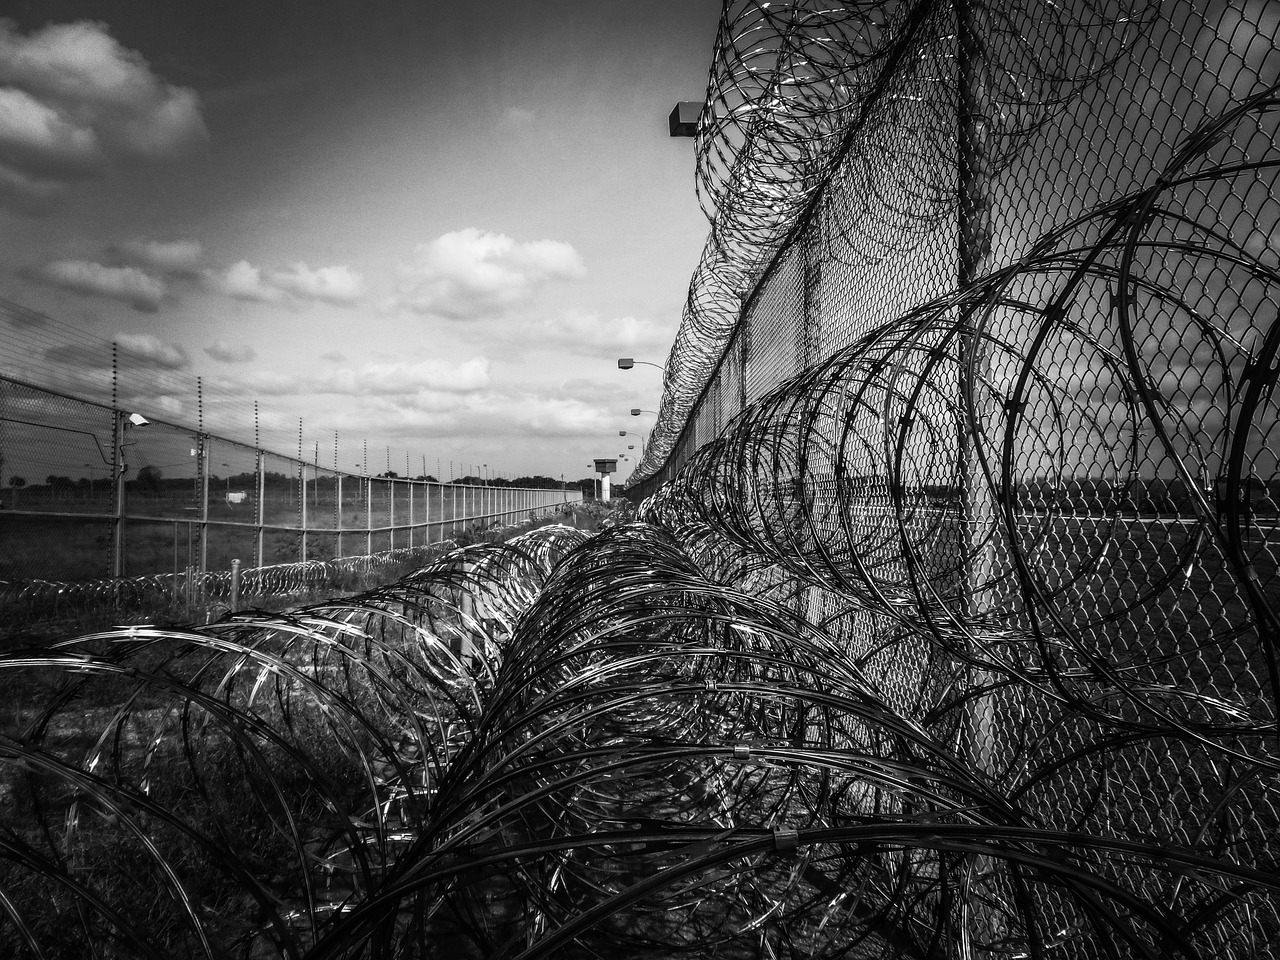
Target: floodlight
{"x": 138, "y": 420}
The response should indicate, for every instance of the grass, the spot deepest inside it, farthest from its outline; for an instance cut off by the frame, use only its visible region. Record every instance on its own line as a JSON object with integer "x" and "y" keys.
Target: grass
{"x": 19, "y": 628}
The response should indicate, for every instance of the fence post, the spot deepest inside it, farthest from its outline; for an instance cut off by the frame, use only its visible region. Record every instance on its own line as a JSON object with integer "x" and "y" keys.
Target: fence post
{"x": 235, "y": 586}
{"x": 412, "y": 485}
{"x": 391, "y": 509}
{"x": 337, "y": 511}
{"x": 117, "y": 494}
{"x": 260, "y": 509}
{"x": 302, "y": 510}
{"x": 368, "y": 516}
{"x": 203, "y": 467}
{"x": 974, "y": 228}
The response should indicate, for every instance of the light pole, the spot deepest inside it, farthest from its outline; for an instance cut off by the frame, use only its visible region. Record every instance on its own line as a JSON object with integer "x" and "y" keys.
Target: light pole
{"x": 626, "y": 363}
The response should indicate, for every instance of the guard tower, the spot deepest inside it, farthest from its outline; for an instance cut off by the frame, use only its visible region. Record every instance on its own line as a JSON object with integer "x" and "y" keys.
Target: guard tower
{"x": 603, "y": 469}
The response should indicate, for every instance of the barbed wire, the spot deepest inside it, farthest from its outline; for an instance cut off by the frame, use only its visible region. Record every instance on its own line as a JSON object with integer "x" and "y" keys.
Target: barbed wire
{"x": 807, "y": 99}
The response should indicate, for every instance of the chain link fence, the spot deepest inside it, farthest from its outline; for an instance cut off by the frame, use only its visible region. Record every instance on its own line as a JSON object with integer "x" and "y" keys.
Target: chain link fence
{"x": 89, "y": 494}
{"x": 981, "y": 357}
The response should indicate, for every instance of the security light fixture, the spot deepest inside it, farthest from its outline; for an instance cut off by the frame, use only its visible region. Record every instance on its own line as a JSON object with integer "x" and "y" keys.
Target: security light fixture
{"x": 683, "y": 119}
{"x": 626, "y": 363}
{"x": 138, "y": 420}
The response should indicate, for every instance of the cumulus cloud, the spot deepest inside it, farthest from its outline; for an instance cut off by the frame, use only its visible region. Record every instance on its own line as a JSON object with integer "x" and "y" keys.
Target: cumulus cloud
{"x": 338, "y": 285}
{"x": 243, "y": 281}
{"x": 72, "y": 102}
{"x": 153, "y": 351}
{"x": 127, "y": 284}
{"x": 471, "y": 273}
{"x": 142, "y": 351}
{"x": 225, "y": 352}
{"x": 177, "y": 257}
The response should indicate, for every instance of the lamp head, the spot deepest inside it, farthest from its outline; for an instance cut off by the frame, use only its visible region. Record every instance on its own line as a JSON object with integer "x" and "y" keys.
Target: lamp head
{"x": 635, "y": 411}
{"x": 138, "y": 420}
{"x": 626, "y": 363}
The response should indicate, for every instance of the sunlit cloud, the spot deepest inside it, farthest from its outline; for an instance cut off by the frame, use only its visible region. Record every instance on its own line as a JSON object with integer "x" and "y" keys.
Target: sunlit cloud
{"x": 139, "y": 351}
{"x": 340, "y": 285}
{"x": 470, "y": 273}
{"x": 231, "y": 353}
{"x": 337, "y": 285}
{"x": 73, "y": 101}
{"x": 127, "y": 284}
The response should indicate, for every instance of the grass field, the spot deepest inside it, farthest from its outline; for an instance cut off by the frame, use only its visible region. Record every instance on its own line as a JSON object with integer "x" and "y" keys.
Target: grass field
{"x": 71, "y": 537}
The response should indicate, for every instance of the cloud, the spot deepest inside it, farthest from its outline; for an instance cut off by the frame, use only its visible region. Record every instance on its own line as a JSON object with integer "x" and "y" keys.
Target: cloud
{"x": 620, "y": 336}
{"x": 73, "y": 101}
{"x": 230, "y": 353}
{"x": 177, "y": 257}
{"x": 471, "y": 273}
{"x": 243, "y": 281}
{"x": 36, "y": 138}
{"x": 402, "y": 379}
{"x": 152, "y": 351}
{"x": 33, "y": 196}
{"x": 142, "y": 351}
{"x": 338, "y": 285}
{"x": 127, "y": 284}
{"x": 520, "y": 116}
{"x": 333, "y": 356}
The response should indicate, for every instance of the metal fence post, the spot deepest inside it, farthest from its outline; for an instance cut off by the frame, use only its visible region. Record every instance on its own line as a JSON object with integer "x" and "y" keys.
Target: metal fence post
{"x": 260, "y": 509}
{"x": 117, "y": 494}
{"x": 204, "y": 504}
{"x": 235, "y": 586}
{"x": 368, "y": 516}
{"x": 302, "y": 511}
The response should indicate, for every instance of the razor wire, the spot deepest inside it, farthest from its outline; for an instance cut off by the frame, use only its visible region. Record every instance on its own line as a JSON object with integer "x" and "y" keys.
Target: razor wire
{"x": 808, "y": 98}
{"x": 189, "y": 791}
{"x": 559, "y": 748}
{"x": 34, "y": 601}
{"x": 960, "y": 643}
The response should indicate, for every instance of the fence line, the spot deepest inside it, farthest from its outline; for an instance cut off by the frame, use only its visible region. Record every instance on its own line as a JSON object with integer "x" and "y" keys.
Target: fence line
{"x": 124, "y": 498}
{"x": 977, "y": 374}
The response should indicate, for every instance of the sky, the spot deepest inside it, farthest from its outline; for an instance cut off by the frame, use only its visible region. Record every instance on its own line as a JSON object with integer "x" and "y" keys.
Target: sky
{"x": 434, "y": 226}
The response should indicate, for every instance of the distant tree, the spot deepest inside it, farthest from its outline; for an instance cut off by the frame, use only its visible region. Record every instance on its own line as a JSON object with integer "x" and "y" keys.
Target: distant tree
{"x": 17, "y": 482}
{"x": 149, "y": 478}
